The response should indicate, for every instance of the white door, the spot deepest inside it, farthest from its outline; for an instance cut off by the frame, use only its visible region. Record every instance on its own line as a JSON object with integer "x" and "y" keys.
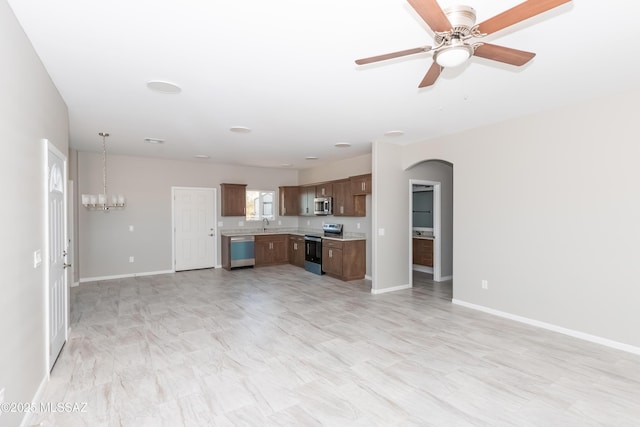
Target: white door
{"x": 57, "y": 237}
{"x": 194, "y": 228}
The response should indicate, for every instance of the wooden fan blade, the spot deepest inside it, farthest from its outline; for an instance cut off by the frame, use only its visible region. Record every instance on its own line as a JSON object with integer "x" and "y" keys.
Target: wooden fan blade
{"x": 431, "y": 12}
{"x": 432, "y": 75}
{"x": 503, "y": 54}
{"x": 518, "y": 13}
{"x": 392, "y": 55}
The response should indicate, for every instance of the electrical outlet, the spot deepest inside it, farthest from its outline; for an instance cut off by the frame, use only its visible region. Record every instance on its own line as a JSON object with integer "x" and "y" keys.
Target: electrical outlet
{"x": 131, "y": 228}
{"x": 485, "y": 284}
{"x": 131, "y": 259}
{"x": 358, "y": 226}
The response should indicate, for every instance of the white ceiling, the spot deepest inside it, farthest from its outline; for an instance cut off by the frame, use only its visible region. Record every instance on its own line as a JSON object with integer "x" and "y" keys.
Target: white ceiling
{"x": 285, "y": 69}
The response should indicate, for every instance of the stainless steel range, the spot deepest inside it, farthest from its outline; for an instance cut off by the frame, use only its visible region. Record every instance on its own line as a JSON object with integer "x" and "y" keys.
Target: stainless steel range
{"x": 313, "y": 247}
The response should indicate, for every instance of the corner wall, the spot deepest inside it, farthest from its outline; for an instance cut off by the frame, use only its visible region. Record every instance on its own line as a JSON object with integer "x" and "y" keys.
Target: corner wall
{"x": 31, "y": 109}
{"x": 546, "y": 210}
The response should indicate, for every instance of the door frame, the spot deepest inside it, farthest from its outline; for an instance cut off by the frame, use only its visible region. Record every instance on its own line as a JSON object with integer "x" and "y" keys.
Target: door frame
{"x": 173, "y": 224}
{"x": 48, "y": 147}
{"x": 437, "y": 241}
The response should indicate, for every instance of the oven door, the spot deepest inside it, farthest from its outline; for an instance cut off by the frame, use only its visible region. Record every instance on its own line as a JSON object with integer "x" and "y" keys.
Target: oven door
{"x": 313, "y": 249}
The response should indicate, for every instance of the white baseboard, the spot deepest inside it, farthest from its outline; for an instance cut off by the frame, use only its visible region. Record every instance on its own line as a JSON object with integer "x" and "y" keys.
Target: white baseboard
{"x": 445, "y": 278}
{"x": 422, "y": 268}
{"x": 392, "y": 289}
{"x": 26, "y": 419}
{"x": 555, "y": 328}
{"x": 124, "y": 276}
{"x": 75, "y": 284}
{"x": 366, "y": 277}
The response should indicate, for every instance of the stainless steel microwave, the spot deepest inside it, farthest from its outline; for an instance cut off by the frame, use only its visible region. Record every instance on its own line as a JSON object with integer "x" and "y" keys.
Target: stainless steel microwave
{"x": 323, "y": 206}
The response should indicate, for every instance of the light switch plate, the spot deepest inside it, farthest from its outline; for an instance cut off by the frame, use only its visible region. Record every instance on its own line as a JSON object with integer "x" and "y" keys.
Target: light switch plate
{"x": 37, "y": 258}
{"x": 131, "y": 228}
{"x": 380, "y": 231}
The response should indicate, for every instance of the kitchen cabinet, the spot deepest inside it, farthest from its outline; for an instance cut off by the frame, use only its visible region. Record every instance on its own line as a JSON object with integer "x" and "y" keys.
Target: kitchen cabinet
{"x": 344, "y": 260}
{"x": 234, "y": 199}
{"x": 423, "y": 252}
{"x": 271, "y": 249}
{"x": 324, "y": 189}
{"x": 361, "y": 184}
{"x": 296, "y": 250}
{"x": 307, "y": 194}
{"x": 289, "y": 197}
{"x": 345, "y": 203}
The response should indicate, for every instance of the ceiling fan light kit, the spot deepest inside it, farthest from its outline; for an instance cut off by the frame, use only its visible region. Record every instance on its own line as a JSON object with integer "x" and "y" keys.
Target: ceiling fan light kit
{"x": 454, "y": 30}
{"x": 453, "y": 55}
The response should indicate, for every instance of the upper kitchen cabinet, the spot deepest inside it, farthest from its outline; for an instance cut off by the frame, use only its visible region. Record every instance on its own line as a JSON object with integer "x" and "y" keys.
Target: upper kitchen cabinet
{"x": 344, "y": 200}
{"x": 307, "y": 194}
{"x": 289, "y": 197}
{"x": 324, "y": 189}
{"x": 234, "y": 199}
{"x": 361, "y": 184}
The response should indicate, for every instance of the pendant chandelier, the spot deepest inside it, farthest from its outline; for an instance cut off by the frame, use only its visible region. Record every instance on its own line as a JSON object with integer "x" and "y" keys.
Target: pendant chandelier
{"x": 102, "y": 201}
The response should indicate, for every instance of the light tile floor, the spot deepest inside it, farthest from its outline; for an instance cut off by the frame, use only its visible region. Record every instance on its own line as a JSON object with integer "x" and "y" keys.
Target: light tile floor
{"x": 278, "y": 346}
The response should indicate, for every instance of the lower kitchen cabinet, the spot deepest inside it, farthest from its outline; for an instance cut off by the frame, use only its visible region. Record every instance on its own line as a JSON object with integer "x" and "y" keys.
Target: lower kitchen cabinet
{"x": 296, "y": 250}
{"x": 271, "y": 249}
{"x": 344, "y": 259}
{"x": 423, "y": 252}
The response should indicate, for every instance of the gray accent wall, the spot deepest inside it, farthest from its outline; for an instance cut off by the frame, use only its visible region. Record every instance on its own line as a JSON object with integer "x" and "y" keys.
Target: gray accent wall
{"x": 525, "y": 217}
{"x": 31, "y": 109}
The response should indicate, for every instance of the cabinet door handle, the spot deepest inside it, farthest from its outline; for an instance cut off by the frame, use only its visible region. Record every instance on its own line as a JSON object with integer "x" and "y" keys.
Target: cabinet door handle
{"x": 330, "y": 253}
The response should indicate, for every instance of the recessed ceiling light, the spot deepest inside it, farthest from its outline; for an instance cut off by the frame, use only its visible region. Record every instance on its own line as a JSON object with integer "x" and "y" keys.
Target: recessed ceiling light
{"x": 311, "y": 158}
{"x": 343, "y": 145}
{"x": 202, "y": 156}
{"x": 154, "y": 141}
{"x": 394, "y": 133}
{"x": 240, "y": 129}
{"x": 163, "y": 86}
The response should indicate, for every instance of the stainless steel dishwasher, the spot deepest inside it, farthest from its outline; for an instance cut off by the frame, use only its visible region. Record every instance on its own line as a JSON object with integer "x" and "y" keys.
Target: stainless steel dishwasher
{"x": 242, "y": 251}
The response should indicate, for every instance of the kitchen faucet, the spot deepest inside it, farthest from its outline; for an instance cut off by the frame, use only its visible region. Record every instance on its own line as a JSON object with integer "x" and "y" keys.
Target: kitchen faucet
{"x": 265, "y": 222}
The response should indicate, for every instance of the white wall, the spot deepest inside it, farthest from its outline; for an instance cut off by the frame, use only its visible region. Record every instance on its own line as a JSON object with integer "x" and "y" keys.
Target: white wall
{"x": 30, "y": 109}
{"x": 546, "y": 209}
{"x": 354, "y": 166}
{"x": 105, "y": 242}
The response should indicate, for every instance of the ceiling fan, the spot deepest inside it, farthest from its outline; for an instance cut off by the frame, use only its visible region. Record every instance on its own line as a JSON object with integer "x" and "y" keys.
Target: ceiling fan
{"x": 455, "y": 30}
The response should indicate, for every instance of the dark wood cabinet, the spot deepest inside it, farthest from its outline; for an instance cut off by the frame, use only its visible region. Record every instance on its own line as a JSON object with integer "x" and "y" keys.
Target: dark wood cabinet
{"x": 345, "y": 203}
{"x": 361, "y": 184}
{"x": 423, "y": 252}
{"x": 344, "y": 259}
{"x": 289, "y": 197}
{"x": 341, "y": 199}
{"x": 307, "y": 194}
{"x": 324, "y": 190}
{"x": 271, "y": 249}
{"x": 234, "y": 199}
{"x": 296, "y": 250}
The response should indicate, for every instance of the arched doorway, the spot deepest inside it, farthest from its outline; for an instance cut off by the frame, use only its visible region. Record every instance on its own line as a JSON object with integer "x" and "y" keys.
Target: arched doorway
{"x": 434, "y": 227}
